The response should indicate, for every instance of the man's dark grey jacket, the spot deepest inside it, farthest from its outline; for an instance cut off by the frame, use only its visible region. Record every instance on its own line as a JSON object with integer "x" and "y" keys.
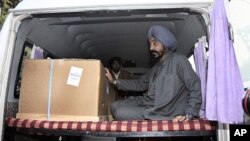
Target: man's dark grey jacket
{"x": 172, "y": 88}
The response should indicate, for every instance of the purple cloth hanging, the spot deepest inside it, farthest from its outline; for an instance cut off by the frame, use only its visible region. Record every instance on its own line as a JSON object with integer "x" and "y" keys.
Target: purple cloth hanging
{"x": 224, "y": 83}
{"x": 38, "y": 53}
{"x": 201, "y": 70}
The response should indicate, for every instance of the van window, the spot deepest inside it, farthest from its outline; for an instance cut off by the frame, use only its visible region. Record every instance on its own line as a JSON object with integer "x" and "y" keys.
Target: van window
{"x": 30, "y": 51}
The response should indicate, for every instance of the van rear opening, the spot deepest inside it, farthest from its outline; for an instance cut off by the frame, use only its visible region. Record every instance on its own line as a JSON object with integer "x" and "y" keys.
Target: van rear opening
{"x": 100, "y": 35}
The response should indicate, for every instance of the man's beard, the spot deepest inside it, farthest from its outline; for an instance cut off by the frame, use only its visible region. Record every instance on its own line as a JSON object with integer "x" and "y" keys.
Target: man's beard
{"x": 156, "y": 54}
{"x": 116, "y": 70}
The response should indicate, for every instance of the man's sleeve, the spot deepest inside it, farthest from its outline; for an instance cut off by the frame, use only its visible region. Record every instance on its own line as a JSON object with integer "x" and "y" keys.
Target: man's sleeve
{"x": 140, "y": 84}
{"x": 193, "y": 85}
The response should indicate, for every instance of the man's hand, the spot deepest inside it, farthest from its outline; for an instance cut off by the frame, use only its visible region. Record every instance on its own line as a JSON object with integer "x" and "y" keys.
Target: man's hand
{"x": 180, "y": 118}
{"x": 109, "y": 76}
{"x": 183, "y": 117}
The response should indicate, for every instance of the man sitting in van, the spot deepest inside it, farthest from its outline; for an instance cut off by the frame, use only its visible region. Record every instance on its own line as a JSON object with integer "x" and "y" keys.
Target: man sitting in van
{"x": 117, "y": 72}
{"x": 173, "y": 88}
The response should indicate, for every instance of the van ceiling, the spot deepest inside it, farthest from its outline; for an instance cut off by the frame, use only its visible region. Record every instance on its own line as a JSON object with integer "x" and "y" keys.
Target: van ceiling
{"x": 103, "y": 34}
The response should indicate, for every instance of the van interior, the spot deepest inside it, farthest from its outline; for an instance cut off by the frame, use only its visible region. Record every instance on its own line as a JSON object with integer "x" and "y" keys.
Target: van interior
{"x": 101, "y": 35}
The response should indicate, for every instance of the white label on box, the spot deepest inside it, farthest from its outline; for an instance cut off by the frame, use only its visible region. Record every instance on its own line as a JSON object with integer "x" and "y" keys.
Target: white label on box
{"x": 74, "y": 76}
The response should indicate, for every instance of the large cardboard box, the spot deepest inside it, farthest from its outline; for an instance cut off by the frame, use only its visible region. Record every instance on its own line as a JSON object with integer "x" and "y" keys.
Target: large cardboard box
{"x": 72, "y": 90}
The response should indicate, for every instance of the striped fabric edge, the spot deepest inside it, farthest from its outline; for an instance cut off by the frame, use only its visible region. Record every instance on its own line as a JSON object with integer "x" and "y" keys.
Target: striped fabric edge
{"x": 115, "y": 126}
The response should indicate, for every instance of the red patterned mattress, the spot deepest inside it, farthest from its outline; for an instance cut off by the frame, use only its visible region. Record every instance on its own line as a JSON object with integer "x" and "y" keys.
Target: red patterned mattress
{"x": 115, "y": 126}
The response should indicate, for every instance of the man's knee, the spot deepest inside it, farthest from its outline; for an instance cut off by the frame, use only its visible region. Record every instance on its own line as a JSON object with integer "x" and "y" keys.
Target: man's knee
{"x": 114, "y": 106}
{"x": 119, "y": 110}
{"x": 121, "y": 113}
{"x": 128, "y": 113}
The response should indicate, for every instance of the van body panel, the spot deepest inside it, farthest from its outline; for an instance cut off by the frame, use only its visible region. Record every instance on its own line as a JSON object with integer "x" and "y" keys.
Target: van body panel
{"x": 6, "y": 45}
{"x": 56, "y": 4}
{"x": 62, "y": 6}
